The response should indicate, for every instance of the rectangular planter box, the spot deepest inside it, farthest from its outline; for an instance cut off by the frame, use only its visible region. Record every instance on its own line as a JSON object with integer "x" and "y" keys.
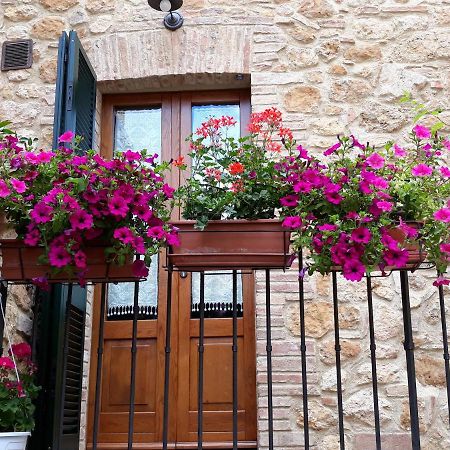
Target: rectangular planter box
{"x": 20, "y": 264}
{"x": 231, "y": 244}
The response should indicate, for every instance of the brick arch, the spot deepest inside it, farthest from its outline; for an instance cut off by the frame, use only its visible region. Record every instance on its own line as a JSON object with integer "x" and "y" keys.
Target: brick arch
{"x": 162, "y": 59}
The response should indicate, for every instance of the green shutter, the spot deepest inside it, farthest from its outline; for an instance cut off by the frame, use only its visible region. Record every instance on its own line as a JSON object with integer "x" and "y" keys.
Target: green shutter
{"x": 59, "y": 324}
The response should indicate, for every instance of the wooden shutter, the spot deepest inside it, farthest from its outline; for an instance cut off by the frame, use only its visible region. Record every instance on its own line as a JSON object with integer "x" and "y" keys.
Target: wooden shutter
{"x": 59, "y": 325}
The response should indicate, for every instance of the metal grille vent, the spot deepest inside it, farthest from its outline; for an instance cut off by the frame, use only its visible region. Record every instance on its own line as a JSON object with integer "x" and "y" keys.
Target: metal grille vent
{"x": 17, "y": 55}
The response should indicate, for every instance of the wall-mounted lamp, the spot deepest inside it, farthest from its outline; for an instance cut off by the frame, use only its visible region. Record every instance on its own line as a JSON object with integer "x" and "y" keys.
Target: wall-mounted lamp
{"x": 173, "y": 20}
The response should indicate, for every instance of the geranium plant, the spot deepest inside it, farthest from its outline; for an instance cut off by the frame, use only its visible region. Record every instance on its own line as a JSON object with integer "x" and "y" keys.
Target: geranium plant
{"x": 17, "y": 389}
{"x": 344, "y": 209}
{"x": 64, "y": 201}
{"x": 235, "y": 178}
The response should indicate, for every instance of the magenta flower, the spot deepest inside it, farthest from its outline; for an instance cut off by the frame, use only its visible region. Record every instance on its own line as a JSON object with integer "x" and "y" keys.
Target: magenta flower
{"x": 383, "y": 206}
{"x": 302, "y": 186}
{"x": 41, "y": 213}
{"x": 332, "y": 149}
{"x": 442, "y": 215}
{"x": 375, "y": 161}
{"x": 441, "y": 281}
{"x": 396, "y": 258}
{"x": 132, "y": 156}
{"x": 445, "y": 172}
{"x": 289, "y": 200}
{"x": 332, "y": 194}
{"x": 410, "y": 232}
{"x": 399, "y": 151}
{"x": 356, "y": 143}
{"x": 352, "y": 215}
{"x": 143, "y": 212}
{"x": 81, "y": 220}
{"x": 361, "y": 235}
{"x": 41, "y": 283}
{"x": 59, "y": 256}
{"x": 168, "y": 191}
{"x": 445, "y": 248}
{"x": 19, "y": 186}
{"x": 173, "y": 239}
{"x": 66, "y": 137}
{"x": 422, "y": 170}
{"x": 353, "y": 270}
{"x": 303, "y": 153}
{"x": 139, "y": 245}
{"x": 45, "y": 157}
{"x": 422, "y": 132}
{"x": 4, "y": 189}
{"x": 156, "y": 232}
{"x": 446, "y": 143}
{"x": 118, "y": 206}
{"x": 32, "y": 237}
{"x": 327, "y": 227}
{"x": 6, "y": 363}
{"x": 80, "y": 259}
{"x": 139, "y": 269}
{"x": 124, "y": 234}
{"x": 292, "y": 222}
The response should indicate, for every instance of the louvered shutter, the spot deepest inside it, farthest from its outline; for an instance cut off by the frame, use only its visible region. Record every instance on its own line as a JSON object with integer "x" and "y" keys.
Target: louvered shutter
{"x": 59, "y": 326}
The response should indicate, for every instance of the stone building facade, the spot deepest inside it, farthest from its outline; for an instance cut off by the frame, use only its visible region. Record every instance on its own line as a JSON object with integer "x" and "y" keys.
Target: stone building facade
{"x": 331, "y": 66}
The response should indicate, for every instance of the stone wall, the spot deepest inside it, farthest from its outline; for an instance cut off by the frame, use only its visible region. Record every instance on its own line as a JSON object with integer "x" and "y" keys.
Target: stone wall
{"x": 330, "y": 66}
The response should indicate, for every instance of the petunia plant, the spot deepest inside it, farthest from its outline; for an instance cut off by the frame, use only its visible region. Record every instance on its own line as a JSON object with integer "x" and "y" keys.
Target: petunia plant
{"x": 235, "y": 178}
{"x": 17, "y": 389}
{"x": 63, "y": 202}
{"x": 361, "y": 208}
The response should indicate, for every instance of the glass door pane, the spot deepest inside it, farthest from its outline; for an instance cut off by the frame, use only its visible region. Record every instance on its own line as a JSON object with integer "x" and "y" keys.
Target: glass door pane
{"x": 136, "y": 129}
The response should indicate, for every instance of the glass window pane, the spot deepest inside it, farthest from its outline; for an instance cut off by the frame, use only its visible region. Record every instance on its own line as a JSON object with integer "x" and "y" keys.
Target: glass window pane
{"x": 136, "y": 129}
{"x": 201, "y": 113}
{"x": 218, "y": 288}
{"x": 218, "y": 294}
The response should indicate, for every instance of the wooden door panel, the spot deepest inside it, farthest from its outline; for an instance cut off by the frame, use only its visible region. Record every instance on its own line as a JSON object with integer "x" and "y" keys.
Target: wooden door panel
{"x": 218, "y": 373}
{"x": 116, "y": 389}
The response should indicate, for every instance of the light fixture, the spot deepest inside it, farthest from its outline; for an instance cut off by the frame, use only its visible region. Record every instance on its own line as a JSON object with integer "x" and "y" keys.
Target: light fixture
{"x": 173, "y": 20}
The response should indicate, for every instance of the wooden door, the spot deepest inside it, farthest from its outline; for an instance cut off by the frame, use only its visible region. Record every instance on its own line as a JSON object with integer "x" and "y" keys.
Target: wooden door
{"x": 123, "y": 122}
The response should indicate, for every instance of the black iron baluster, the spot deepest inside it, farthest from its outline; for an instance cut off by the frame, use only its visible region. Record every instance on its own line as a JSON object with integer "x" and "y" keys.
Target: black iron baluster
{"x": 410, "y": 367}
{"x": 376, "y": 408}
{"x": 3, "y": 297}
{"x": 133, "y": 365}
{"x": 235, "y": 364}
{"x": 301, "y": 294}
{"x": 269, "y": 361}
{"x": 201, "y": 350}
{"x": 99, "y": 368}
{"x": 338, "y": 363}
{"x": 445, "y": 345}
{"x": 167, "y": 356}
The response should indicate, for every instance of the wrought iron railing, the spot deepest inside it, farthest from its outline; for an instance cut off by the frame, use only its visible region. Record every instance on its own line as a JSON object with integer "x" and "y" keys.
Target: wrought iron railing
{"x": 136, "y": 314}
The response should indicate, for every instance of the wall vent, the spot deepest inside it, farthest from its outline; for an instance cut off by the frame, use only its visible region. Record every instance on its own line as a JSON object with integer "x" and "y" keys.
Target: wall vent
{"x": 17, "y": 54}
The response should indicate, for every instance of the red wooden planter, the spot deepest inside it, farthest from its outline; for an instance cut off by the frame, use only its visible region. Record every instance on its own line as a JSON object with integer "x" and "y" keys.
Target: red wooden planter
{"x": 20, "y": 264}
{"x": 231, "y": 244}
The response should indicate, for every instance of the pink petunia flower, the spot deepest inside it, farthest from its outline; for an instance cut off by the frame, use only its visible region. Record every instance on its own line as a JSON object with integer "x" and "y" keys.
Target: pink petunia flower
{"x": 139, "y": 245}
{"x": 124, "y": 234}
{"x": 399, "y": 151}
{"x": 66, "y": 137}
{"x": 422, "y": 132}
{"x": 19, "y": 186}
{"x": 445, "y": 172}
{"x": 332, "y": 149}
{"x": 327, "y": 227}
{"x": 168, "y": 191}
{"x": 41, "y": 283}
{"x": 80, "y": 259}
{"x": 32, "y": 237}
{"x": 59, "y": 256}
{"x": 21, "y": 350}
{"x": 289, "y": 200}
{"x": 384, "y": 206}
{"x": 397, "y": 258}
{"x": 361, "y": 235}
{"x": 156, "y": 232}
{"x": 445, "y": 248}
{"x": 441, "y": 281}
{"x": 422, "y": 170}
{"x": 446, "y": 143}
{"x": 6, "y": 363}
{"x": 353, "y": 270}
{"x": 81, "y": 220}
{"x": 118, "y": 206}
{"x": 42, "y": 213}
{"x": 4, "y": 189}
{"x": 442, "y": 215}
{"x": 375, "y": 161}
{"x": 292, "y": 222}
{"x": 139, "y": 269}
